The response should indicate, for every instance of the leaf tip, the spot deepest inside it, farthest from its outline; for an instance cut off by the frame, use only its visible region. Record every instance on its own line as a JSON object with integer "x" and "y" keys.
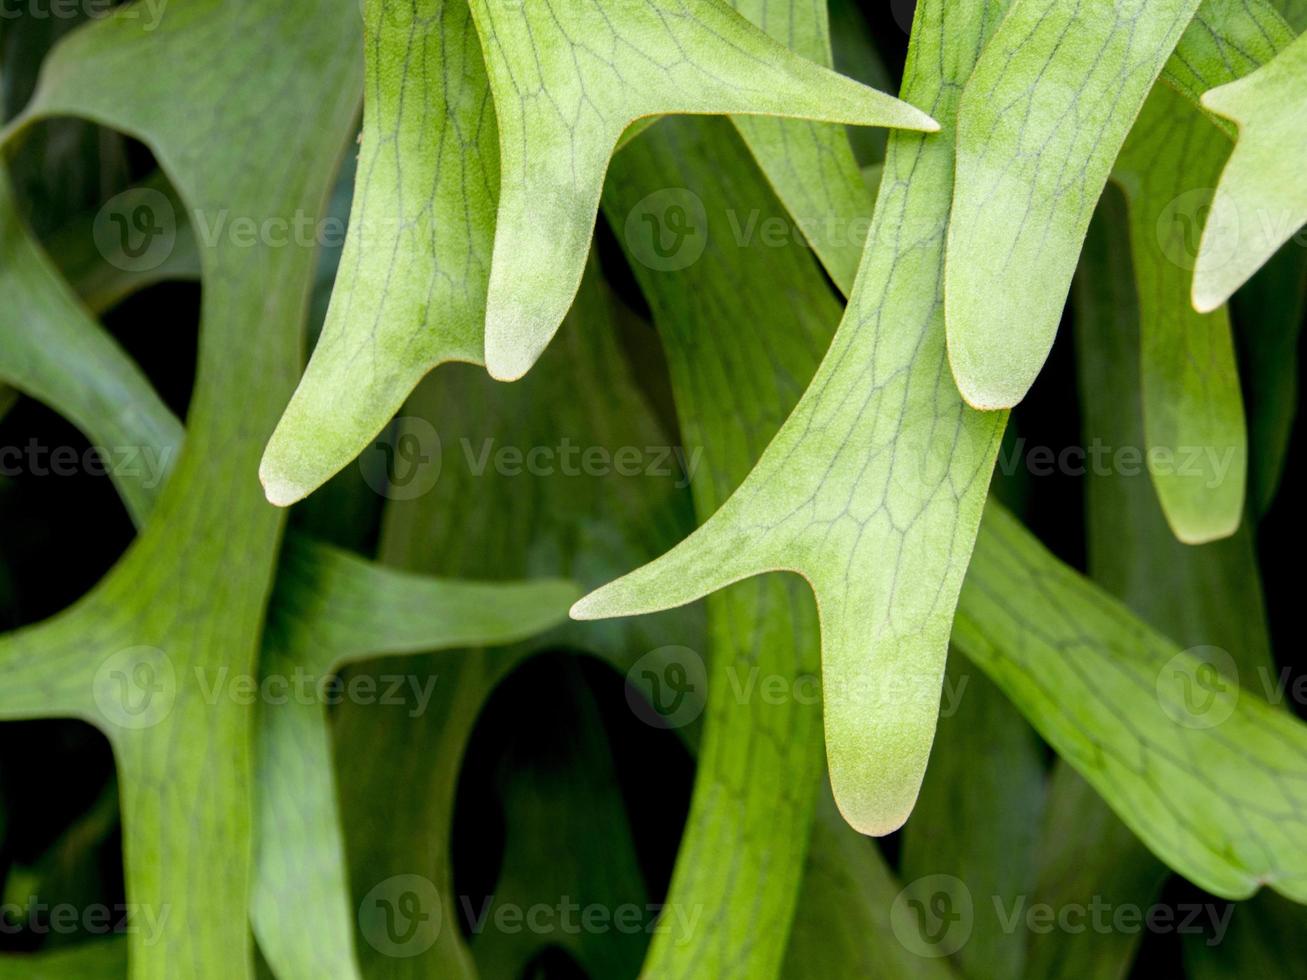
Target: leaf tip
{"x": 588, "y": 607}
{"x": 868, "y": 818}
{"x": 278, "y": 488}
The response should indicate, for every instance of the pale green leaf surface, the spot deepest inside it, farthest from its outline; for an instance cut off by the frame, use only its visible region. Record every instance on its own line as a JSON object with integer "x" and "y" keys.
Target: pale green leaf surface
{"x": 1040, "y": 123}
{"x": 873, "y": 487}
{"x": 1211, "y": 779}
{"x": 188, "y": 596}
{"x": 1225, "y": 40}
{"x": 568, "y": 77}
{"x": 410, "y": 292}
{"x": 743, "y": 329}
{"x": 1195, "y": 439}
{"x": 1261, "y": 200}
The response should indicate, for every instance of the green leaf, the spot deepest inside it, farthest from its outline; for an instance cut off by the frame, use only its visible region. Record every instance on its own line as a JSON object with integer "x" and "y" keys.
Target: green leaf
{"x": 846, "y": 925}
{"x": 1208, "y": 777}
{"x": 410, "y": 293}
{"x": 1040, "y": 123}
{"x": 568, "y": 78}
{"x": 978, "y": 816}
{"x": 874, "y": 486}
{"x": 330, "y": 609}
{"x": 100, "y": 960}
{"x": 1195, "y": 444}
{"x": 51, "y": 350}
{"x": 810, "y": 164}
{"x": 188, "y": 596}
{"x": 484, "y": 514}
{"x": 1260, "y": 201}
{"x": 1225, "y": 40}
{"x": 760, "y": 760}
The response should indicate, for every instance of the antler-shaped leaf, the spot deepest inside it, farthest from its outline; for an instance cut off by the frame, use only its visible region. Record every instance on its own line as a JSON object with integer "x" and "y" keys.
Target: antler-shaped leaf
{"x": 1040, "y": 123}
{"x": 1195, "y": 439}
{"x": 188, "y": 596}
{"x": 330, "y": 609}
{"x": 1260, "y": 201}
{"x": 760, "y": 760}
{"x": 411, "y": 290}
{"x": 873, "y": 487}
{"x": 568, "y": 77}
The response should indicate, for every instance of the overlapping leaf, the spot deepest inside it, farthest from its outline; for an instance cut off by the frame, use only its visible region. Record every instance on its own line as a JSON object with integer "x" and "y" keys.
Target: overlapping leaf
{"x": 1260, "y": 201}
{"x": 188, "y": 596}
{"x": 738, "y": 359}
{"x": 1040, "y": 123}
{"x": 568, "y": 77}
{"x": 1195, "y": 442}
{"x": 873, "y": 487}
